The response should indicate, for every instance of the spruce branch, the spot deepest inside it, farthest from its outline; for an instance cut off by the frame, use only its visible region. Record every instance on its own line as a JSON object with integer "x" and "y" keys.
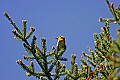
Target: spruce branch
{"x": 115, "y": 13}
{"x": 28, "y": 58}
{"x": 38, "y": 54}
{"x": 32, "y": 29}
{"x": 30, "y": 69}
{"x": 11, "y": 22}
{"x": 102, "y": 63}
{"x": 24, "y": 28}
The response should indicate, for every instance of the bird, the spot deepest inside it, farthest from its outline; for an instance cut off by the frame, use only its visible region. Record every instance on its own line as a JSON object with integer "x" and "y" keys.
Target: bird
{"x": 61, "y": 47}
{"x": 61, "y": 43}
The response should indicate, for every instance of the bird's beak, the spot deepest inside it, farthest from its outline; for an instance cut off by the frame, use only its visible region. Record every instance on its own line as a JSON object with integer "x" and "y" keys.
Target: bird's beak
{"x": 56, "y": 38}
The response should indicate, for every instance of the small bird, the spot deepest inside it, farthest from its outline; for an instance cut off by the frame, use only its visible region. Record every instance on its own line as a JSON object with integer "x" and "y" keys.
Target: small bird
{"x": 61, "y": 43}
{"x": 61, "y": 47}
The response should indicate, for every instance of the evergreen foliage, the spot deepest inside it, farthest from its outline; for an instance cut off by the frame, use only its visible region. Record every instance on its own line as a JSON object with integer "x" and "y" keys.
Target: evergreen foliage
{"x": 102, "y": 63}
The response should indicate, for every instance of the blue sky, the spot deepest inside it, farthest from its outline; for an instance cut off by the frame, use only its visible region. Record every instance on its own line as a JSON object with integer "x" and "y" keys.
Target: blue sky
{"x": 77, "y": 20}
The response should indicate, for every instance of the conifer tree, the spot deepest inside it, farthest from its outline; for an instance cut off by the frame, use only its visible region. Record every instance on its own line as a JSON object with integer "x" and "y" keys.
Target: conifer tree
{"x": 102, "y": 63}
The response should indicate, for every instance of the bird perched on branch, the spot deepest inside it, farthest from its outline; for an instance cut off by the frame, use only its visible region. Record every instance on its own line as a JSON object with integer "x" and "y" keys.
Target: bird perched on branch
{"x": 61, "y": 47}
{"x": 61, "y": 43}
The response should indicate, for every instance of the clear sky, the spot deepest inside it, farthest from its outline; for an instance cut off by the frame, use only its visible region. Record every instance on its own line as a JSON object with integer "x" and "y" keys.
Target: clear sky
{"x": 77, "y": 20}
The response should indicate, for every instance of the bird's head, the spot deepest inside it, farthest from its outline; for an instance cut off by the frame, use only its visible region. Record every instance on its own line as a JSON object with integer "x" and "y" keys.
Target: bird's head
{"x": 60, "y": 38}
